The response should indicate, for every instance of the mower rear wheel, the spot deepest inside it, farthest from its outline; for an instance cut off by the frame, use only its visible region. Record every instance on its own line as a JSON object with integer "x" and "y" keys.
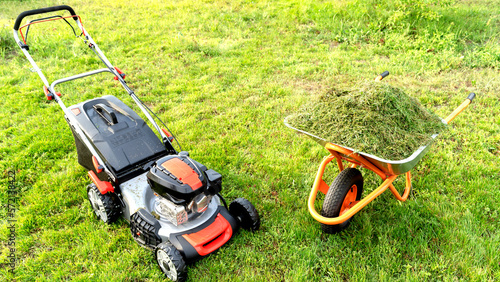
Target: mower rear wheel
{"x": 106, "y": 206}
{"x": 344, "y": 191}
{"x": 171, "y": 262}
{"x": 245, "y": 213}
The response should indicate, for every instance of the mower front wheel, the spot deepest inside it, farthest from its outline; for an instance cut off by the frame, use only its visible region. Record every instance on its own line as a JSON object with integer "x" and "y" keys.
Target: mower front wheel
{"x": 245, "y": 213}
{"x": 171, "y": 262}
{"x": 345, "y": 190}
{"x": 106, "y": 206}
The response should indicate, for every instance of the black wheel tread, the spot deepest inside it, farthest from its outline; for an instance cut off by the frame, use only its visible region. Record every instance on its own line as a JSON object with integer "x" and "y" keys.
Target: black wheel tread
{"x": 242, "y": 208}
{"x": 176, "y": 258}
{"x": 110, "y": 202}
{"x": 335, "y": 197}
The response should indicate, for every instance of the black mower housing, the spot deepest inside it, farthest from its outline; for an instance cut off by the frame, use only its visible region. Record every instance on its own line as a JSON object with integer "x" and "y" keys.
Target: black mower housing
{"x": 120, "y": 136}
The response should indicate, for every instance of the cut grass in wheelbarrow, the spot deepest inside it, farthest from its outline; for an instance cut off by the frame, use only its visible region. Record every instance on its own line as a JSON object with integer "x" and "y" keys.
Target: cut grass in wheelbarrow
{"x": 371, "y": 117}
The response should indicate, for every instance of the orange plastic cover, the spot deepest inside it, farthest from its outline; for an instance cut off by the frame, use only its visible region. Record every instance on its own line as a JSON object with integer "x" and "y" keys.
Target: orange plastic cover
{"x": 212, "y": 237}
{"x": 96, "y": 165}
{"x": 183, "y": 172}
{"x": 166, "y": 132}
{"x": 103, "y": 186}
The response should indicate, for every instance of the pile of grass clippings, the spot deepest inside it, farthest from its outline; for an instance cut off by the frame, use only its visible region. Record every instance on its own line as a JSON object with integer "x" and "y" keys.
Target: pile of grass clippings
{"x": 372, "y": 117}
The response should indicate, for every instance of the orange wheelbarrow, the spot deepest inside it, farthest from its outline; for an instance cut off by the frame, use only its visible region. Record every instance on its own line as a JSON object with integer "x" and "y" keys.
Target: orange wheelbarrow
{"x": 343, "y": 197}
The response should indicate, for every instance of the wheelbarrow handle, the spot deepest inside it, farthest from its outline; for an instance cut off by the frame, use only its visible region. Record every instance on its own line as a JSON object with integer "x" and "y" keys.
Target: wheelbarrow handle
{"x": 381, "y": 76}
{"x": 460, "y": 108}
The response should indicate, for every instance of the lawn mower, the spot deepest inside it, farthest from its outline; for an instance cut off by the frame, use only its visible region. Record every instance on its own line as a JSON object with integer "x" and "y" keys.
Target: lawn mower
{"x": 343, "y": 197}
{"x": 172, "y": 202}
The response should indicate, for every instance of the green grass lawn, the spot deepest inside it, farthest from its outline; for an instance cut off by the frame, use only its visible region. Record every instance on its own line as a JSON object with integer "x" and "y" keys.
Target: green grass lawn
{"x": 223, "y": 75}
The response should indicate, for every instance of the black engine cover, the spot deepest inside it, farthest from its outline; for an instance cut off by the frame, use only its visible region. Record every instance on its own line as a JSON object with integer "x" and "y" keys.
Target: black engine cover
{"x": 177, "y": 178}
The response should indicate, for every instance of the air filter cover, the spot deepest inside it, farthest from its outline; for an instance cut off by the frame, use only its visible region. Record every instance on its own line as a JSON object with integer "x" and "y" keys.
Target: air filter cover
{"x": 176, "y": 178}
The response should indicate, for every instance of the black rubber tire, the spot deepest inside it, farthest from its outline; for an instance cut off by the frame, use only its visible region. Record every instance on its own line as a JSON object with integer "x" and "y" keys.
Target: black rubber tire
{"x": 245, "y": 213}
{"x": 110, "y": 210}
{"x": 171, "y": 262}
{"x": 335, "y": 197}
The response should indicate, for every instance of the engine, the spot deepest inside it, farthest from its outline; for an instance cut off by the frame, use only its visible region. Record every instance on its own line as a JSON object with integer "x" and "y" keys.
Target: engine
{"x": 184, "y": 187}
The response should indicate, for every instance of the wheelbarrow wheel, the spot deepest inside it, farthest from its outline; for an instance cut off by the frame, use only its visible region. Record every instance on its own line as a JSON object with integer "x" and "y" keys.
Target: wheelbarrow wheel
{"x": 344, "y": 191}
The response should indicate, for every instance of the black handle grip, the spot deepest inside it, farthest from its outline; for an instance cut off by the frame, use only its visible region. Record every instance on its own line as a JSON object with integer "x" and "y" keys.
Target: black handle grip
{"x": 103, "y": 109}
{"x": 42, "y": 11}
{"x": 471, "y": 96}
{"x": 381, "y": 76}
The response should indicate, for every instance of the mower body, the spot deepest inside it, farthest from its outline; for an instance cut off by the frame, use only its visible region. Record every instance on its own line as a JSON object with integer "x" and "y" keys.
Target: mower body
{"x": 172, "y": 202}
{"x": 131, "y": 151}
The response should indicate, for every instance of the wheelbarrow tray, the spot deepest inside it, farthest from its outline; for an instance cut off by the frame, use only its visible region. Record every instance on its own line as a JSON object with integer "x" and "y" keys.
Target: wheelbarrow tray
{"x": 394, "y": 167}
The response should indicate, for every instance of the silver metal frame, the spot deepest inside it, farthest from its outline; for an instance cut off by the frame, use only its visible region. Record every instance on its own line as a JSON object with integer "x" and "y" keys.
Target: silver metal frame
{"x": 109, "y": 68}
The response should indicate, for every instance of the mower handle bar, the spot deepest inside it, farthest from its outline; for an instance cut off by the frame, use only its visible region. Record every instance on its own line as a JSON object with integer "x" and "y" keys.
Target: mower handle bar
{"x": 43, "y": 11}
{"x": 53, "y": 85}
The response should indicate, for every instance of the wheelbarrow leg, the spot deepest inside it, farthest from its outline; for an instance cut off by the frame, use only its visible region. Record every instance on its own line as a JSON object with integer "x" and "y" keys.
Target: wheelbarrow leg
{"x": 406, "y": 191}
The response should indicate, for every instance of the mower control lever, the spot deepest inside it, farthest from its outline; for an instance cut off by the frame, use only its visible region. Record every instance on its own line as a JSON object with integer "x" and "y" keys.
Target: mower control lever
{"x": 42, "y": 11}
